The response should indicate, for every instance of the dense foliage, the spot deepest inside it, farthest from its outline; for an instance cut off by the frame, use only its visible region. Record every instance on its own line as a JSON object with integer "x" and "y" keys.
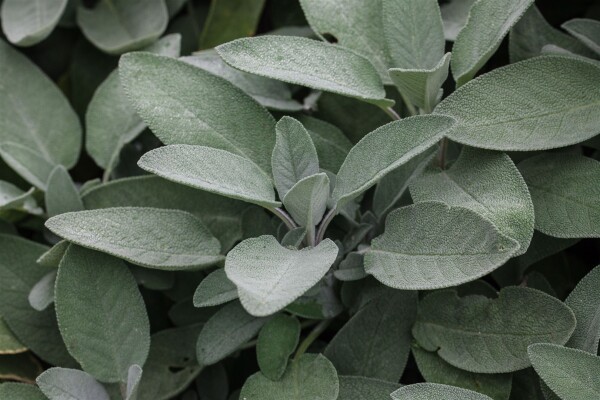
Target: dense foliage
{"x": 331, "y": 199}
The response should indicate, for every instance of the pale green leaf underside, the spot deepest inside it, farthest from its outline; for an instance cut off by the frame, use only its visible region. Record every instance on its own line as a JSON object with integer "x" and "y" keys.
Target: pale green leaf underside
{"x": 584, "y": 300}
{"x": 434, "y": 391}
{"x": 486, "y": 182}
{"x": 485, "y": 335}
{"x": 307, "y": 62}
{"x": 70, "y": 384}
{"x": 214, "y": 290}
{"x": 61, "y": 195}
{"x": 586, "y": 30}
{"x": 151, "y": 237}
{"x": 118, "y": 26}
{"x": 488, "y": 23}
{"x": 216, "y": 171}
{"x": 454, "y": 16}
{"x": 571, "y": 374}
{"x": 27, "y": 22}
{"x": 565, "y": 198}
{"x": 384, "y": 150}
{"x": 31, "y": 165}
{"x": 13, "y": 198}
{"x": 536, "y": 104}
{"x": 450, "y": 245}
{"x": 269, "y": 276}
{"x": 183, "y": 104}
{"x": 311, "y": 376}
{"x": 307, "y": 200}
{"x": 42, "y": 293}
{"x": 101, "y": 314}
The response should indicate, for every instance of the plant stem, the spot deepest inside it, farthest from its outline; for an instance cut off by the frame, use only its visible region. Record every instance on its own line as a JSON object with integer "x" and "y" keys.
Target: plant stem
{"x": 323, "y": 227}
{"x": 287, "y": 220}
{"x": 312, "y": 336}
{"x": 442, "y": 153}
{"x": 392, "y": 113}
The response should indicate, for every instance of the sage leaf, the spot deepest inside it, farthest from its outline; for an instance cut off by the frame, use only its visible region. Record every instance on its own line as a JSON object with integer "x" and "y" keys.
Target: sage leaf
{"x": 514, "y": 108}
{"x": 294, "y": 156}
{"x": 488, "y": 23}
{"x": 309, "y": 63}
{"x": 395, "y": 144}
{"x": 442, "y": 254}
{"x": 119, "y": 26}
{"x": 277, "y": 340}
{"x": 331, "y": 143}
{"x": 134, "y": 376}
{"x": 34, "y": 114}
{"x": 61, "y": 194}
{"x": 354, "y": 24}
{"x": 225, "y": 332}
{"x": 454, "y": 16}
{"x": 586, "y": 30}
{"x": 98, "y": 302}
{"x": 26, "y": 23}
{"x": 486, "y": 182}
{"x": 28, "y": 163}
{"x": 269, "y": 93}
{"x": 529, "y": 36}
{"x": 375, "y": 343}
{"x": 110, "y": 120}
{"x": 52, "y": 257}
{"x": 214, "y": 290}
{"x": 570, "y": 373}
{"x": 307, "y": 201}
{"x": 13, "y": 198}
{"x": 221, "y": 215}
{"x": 436, "y": 370}
{"x": 229, "y": 20}
{"x": 183, "y": 104}
{"x": 150, "y": 237}
{"x": 434, "y": 391}
{"x": 19, "y": 272}
{"x": 70, "y": 384}
{"x": 20, "y": 391}
{"x": 269, "y": 277}
{"x": 309, "y": 377}
{"x": 361, "y": 388}
{"x": 213, "y": 170}
{"x": 584, "y": 300}
{"x": 464, "y": 336}
{"x": 42, "y": 293}
{"x": 566, "y": 205}
{"x": 9, "y": 344}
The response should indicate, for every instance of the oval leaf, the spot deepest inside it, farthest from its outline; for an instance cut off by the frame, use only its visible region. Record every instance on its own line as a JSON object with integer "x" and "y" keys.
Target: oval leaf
{"x": 434, "y": 391}
{"x": 61, "y": 194}
{"x": 214, "y": 290}
{"x": 151, "y": 237}
{"x": 277, "y": 340}
{"x": 27, "y": 22}
{"x": 584, "y": 300}
{"x": 70, "y": 384}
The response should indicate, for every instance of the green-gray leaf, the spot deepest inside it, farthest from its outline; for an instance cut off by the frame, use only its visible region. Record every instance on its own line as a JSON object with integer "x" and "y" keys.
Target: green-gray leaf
{"x": 213, "y": 170}
{"x": 436, "y": 370}
{"x": 20, "y": 391}
{"x": 229, "y": 20}
{"x": 572, "y": 374}
{"x": 354, "y": 24}
{"x": 331, "y": 143}
{"x": 42, "y": 293}
{"x": 70, "y": 384}
{"x": 393, "y": 144}
{"x": 434, "y": 391}
{"x": 488, "y": 23}
{"x": 311, "y": 376}
{"x": 119, "y": 26}
{"x": 294, "y": 156}
{"x": 375, "y": 343}
{"x": 516, "y": 107}
{"x": 566, "y": 202}
{"x": 36, "y": 115}
{"x": 450, "y": 245}
{"x": 13, "y": 198}
{"x": 276, "y": 342}
{"x": 151, "y": 237}
{"x": 361, "y": 388}
{"x": 214, "y": 290}
{"x": 269, "y": 277}
{"x": 586, "y": 30}
{"x": 467, "y": 337}
{"x": 27, "y": 22}
{"x": 584, "y": 300}
{"x": 309, "y": 63}
{"x": 488, "y": 183}
{"x": 183, "y": 104}
{"x": 225, "y": 332}
{"x": 221, "y": 215}
{"x": 101, "y": 314}
{"x": 455, "y": 15}
{"x": 61, "y": 194}
{"x": 307, "y": 200}
{"x": 270, "y": 93}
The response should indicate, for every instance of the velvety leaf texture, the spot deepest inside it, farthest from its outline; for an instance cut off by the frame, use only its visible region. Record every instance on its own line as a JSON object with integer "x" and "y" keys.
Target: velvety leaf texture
{"x": 28, "y": 22}
{"x": 70, "y": 384}
{"x": 484, "y": 335}
{"x": 586, "y": 30}
{"x": 361, "y": 388}
{"x": 215, "y": 289}
{"x": 61, "y": 195}
{"x": 277, "y": 340}
{"x": 151, "y": 237}
{"x": 434, "y": 391}
{"x": 584, "y": 300}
